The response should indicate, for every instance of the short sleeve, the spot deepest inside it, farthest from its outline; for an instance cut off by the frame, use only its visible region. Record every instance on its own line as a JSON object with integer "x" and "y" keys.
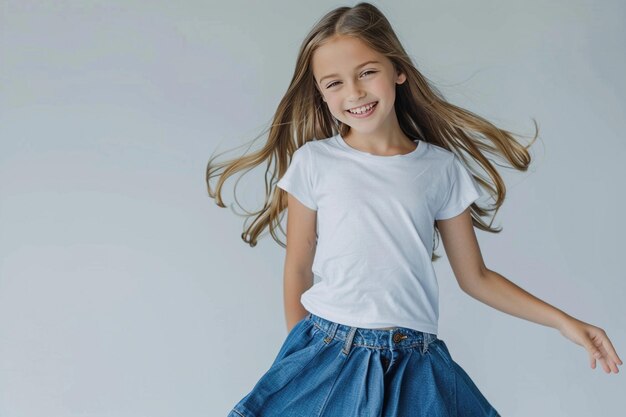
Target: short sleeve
{"x": 297, "y": 180}
{"x": 461, "y": 192}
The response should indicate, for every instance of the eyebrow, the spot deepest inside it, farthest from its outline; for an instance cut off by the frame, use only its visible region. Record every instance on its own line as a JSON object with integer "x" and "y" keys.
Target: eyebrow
{"x": 358, "y": 66}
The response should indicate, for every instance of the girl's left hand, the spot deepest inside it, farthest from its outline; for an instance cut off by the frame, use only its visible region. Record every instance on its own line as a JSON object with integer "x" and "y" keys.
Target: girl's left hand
{"x": 595, "y": 340}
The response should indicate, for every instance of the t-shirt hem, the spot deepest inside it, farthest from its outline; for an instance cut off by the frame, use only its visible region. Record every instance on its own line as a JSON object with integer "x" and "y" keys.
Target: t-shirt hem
{"x": 349, "y": 321}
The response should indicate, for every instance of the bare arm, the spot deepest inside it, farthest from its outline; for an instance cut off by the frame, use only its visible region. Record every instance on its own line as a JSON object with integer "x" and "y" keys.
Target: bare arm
{"x": 301, "y": 245}
{"x": 493, "y": 289}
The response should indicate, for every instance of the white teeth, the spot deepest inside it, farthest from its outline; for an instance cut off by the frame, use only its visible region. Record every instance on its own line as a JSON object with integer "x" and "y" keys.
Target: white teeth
{"x": 363, "y": 109}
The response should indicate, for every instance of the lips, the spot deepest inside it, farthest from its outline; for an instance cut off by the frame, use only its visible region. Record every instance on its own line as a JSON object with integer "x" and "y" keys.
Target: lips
{"x": 362, "y": 105}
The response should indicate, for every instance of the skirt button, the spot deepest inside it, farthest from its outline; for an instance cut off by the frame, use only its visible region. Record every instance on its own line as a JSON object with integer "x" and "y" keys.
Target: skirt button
{"x": 398, "y": 336}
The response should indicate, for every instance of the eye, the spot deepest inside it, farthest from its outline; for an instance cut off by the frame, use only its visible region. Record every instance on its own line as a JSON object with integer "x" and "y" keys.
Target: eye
{"x": 335, "y": 82}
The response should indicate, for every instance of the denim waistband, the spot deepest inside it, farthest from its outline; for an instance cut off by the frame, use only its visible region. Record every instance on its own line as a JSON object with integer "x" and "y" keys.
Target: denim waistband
{"x": 396, "y": 338}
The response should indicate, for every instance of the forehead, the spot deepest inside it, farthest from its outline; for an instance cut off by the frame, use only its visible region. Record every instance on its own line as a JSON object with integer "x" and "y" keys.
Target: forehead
{"x": 342, "y": 54}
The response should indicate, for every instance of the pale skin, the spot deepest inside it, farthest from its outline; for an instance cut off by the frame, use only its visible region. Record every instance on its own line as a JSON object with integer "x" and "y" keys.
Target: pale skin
{"x": 382, "y": 135}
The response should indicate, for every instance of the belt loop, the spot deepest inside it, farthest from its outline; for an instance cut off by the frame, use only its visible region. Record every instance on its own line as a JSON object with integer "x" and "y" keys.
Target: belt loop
{"x": 349, "y": 338}
{"x": 428, "y": 337}
{"x": 308, "y": 316}
{"x": 331, "y": 332}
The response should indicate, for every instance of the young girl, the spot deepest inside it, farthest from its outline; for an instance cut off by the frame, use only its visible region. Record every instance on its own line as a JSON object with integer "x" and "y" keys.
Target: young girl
{"x": 371, "y": 161}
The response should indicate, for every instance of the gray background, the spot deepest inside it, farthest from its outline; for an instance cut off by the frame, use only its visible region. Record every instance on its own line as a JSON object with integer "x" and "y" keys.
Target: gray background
{"x": 125, "y": 291}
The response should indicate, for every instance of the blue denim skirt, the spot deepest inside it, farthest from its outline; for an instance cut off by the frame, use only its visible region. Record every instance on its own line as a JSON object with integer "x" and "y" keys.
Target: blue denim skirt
{"x": 330, "y": 369}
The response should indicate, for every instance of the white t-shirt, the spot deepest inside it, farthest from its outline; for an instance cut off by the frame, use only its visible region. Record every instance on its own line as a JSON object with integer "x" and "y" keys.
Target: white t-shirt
{"x": 375, "y": 229}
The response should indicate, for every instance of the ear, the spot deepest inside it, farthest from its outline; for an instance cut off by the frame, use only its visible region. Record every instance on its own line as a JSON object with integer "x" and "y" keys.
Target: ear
{"x": 401, "y": 78}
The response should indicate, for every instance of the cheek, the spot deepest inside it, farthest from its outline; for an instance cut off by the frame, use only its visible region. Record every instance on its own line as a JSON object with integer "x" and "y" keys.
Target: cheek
{"x": 335, "y": 106}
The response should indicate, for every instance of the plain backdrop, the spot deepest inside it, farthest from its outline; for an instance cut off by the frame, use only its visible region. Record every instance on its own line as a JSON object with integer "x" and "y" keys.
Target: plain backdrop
{"x": 126, "y": 292}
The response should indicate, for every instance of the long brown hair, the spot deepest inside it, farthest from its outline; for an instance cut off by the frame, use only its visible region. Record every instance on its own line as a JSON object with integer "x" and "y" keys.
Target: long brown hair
{"x": 421, "y": 109}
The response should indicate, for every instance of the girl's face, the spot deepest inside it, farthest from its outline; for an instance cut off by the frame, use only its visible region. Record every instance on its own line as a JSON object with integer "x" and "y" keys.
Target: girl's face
{"x": 346, "y": 84}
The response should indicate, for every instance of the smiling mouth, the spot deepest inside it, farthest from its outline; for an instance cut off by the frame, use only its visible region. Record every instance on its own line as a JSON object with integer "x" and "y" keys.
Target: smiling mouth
{"x": 363, "y": 109}
{"x": 366, "y": 105}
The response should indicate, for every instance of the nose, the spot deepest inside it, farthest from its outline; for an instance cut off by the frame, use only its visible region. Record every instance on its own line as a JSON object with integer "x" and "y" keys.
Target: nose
{"x": 355, "y": 93}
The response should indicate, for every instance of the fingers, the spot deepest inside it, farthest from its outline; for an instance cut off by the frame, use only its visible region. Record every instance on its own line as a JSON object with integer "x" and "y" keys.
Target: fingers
{"x": 605, "y": 352}
{"x": 604, "y": 362}
{"x": 612, "y": 351}
{"x": 592, "y": 361}
{"x": 600, "y": 348}
{"x": 592, "y": 344}
{"x": 609, "y": 356}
